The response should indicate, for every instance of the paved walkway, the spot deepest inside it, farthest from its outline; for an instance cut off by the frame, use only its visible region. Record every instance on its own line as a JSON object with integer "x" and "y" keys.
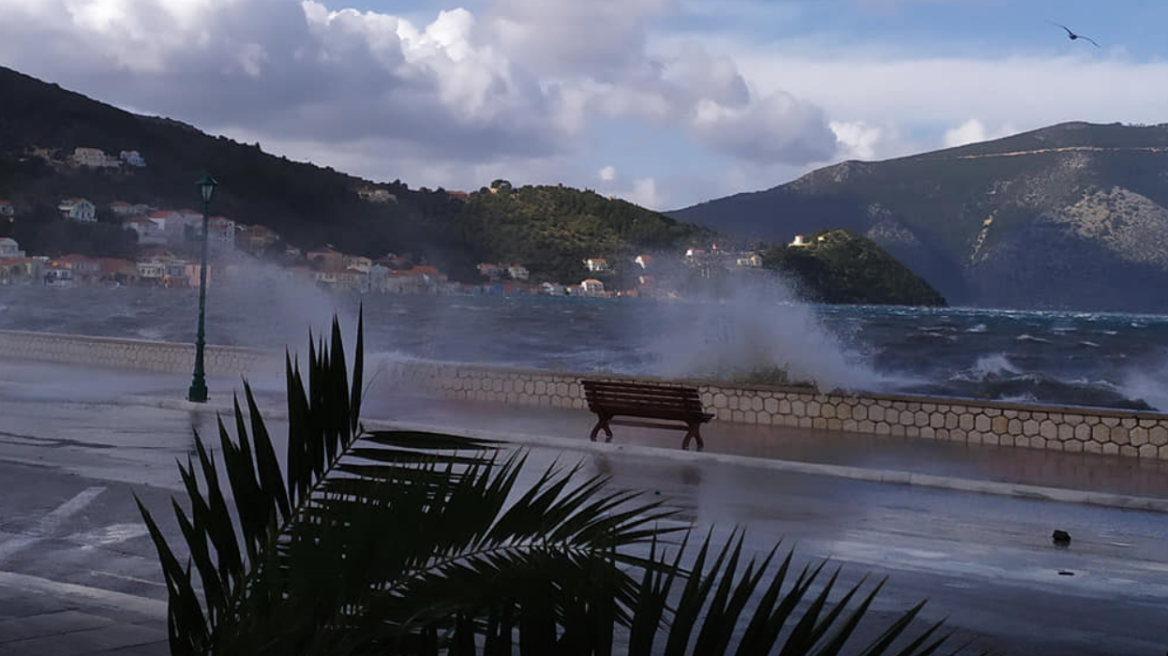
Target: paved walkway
{"x": 45, "y": 618}
{"x": 66, "y": 612}
{"x": 1074, "y": 471}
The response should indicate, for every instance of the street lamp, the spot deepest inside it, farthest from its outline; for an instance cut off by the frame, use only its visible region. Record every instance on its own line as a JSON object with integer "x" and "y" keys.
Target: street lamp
{"x": 198, "y": 391}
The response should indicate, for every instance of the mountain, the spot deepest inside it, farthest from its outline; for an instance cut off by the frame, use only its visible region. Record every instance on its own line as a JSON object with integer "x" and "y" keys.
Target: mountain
{"x": 839, "y": 266}
{"x": 549, "y": 229}
{"x": 1071, "y": 216}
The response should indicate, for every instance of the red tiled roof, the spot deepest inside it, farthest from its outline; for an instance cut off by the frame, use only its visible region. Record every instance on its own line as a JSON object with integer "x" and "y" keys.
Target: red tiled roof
{"x": 74, "y": 257}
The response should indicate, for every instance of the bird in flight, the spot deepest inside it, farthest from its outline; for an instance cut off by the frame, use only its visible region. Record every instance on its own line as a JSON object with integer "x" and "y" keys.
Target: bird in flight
{"x": 1074, "y": 37}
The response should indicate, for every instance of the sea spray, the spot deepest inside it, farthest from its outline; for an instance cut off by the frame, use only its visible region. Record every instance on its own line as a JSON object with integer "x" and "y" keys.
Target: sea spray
{"x": 760, "y": 329}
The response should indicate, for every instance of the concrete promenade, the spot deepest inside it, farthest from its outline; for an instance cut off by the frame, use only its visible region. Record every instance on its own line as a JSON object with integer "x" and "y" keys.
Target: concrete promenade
{"x": 79, "y": 576}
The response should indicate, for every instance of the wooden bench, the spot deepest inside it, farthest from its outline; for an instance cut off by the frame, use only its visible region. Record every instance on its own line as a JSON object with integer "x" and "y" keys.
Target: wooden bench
{"x": 665, "y": 403}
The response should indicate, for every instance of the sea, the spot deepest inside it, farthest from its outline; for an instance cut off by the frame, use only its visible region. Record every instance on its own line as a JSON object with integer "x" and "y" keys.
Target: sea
{"x": 1073, "y": 358}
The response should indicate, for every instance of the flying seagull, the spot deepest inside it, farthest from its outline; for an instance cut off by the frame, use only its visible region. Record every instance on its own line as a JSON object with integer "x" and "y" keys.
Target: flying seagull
{"x": 1072, "y": 36}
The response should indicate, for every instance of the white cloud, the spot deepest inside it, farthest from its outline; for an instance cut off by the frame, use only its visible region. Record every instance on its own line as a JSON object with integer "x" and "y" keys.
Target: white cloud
{"x": 644, "y": 193}
{"x": 921, "y": 91}
{"x": 607, "y": 173}
{"x": 857, "y": 139}
{"x": 973, "y": 131}
{"x": 777, "y": 129}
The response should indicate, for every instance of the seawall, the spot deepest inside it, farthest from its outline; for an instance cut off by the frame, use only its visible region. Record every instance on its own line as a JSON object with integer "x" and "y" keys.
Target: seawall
{"x": 1056, "y": 428}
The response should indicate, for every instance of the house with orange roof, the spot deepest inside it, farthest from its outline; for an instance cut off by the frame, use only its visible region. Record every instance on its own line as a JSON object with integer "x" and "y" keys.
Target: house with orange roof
{"x": 147, "y": 230}
{"x": 254, "y": 238}
{"x": 596, "y": 264}
{"x": 518, "y": 272}
{"x": 19, "y": 268}
{"x": 490, "y": 271}
{"x": 85, "y": 269}
{"x": 326, "y": 258}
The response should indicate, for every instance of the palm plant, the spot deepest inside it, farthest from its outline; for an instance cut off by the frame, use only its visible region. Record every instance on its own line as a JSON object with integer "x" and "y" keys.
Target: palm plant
{"x": 398, "y": 542}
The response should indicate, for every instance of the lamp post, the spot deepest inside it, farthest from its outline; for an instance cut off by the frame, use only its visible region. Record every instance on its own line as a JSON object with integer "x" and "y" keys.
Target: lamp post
{"x": 198, "y": 391}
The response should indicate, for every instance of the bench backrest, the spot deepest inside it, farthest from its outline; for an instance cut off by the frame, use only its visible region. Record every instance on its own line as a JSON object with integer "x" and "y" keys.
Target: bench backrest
{"x": 642, "y": 398}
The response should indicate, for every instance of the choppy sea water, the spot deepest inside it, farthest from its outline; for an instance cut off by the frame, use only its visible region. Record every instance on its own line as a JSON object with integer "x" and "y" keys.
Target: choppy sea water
{"x": 1057, "y": 357}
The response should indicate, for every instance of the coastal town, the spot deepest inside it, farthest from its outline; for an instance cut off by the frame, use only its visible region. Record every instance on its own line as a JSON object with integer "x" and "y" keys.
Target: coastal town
{"x": 168, "y": 242}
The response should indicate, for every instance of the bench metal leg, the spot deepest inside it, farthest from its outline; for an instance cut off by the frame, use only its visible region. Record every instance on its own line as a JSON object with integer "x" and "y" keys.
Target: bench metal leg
{"x": 694, "y": 433}
{"x": 601, "y": 425}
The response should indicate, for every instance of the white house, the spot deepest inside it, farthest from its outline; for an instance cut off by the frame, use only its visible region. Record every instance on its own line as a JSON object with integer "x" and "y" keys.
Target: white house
{"x": 133, "y": 158}
{"x": 376, "y": 196}
{"x": 358, "y": 262}
{"x": 94, "y": 158}
{"x": 6, "y": 208}
{"x": 643, "y": 261}
{"x": 150, "y": 232}
{"x": 9, "y": 249}
{"x": 592, "y": 287}
{"x": 551, "y": 289}
{"x": 749, "y": 260}
{"x": 596, "y": 264}
{"x": 490, "y": 271}
{"x": 518, "y": 272}
{"x": 78, "y": 209}
{"x": 221, "y": 232}
{"x": 122, "y": 208}
{"x": 799, "y": 241}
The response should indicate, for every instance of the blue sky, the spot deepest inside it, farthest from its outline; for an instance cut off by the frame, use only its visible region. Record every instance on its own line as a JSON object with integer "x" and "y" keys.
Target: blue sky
{"x": 664, "y": 102}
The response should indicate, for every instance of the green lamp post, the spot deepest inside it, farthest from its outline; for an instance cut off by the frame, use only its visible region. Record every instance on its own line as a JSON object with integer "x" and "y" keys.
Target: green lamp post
{"x": 198, "y": 391}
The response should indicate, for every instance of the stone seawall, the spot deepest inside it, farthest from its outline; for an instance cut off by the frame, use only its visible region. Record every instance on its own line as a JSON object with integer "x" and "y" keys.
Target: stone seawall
{"x": 135, "y": 354}
{"x": 1057, "y": 428}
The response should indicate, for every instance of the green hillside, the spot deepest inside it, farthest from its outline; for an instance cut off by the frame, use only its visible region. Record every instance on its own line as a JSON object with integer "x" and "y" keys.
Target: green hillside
{"x": 550, "y": 230}
{"x": 839, "y": 266}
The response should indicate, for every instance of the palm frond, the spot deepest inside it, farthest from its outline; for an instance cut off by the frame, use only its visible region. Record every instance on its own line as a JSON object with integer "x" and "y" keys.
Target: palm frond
{"x": 409, "y": 542}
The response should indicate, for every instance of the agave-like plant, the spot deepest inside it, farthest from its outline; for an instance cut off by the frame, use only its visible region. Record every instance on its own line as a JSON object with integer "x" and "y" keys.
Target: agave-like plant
{"x": 398, "y": 542}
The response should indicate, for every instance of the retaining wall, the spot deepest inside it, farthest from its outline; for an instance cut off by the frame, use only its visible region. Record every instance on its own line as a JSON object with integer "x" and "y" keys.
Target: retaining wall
{"x": 1057, "y": 428}
{"x": 135, "y": 353}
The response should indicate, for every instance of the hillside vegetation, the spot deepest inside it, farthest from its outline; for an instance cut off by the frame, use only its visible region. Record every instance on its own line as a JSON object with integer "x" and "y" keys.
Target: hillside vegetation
{"x": 552, "y": 229}
{"x": 545, "y": 228}
{"x": 839, "y": 266}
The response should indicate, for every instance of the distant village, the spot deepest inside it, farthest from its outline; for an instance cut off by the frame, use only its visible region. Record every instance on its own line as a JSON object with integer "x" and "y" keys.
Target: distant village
{"x": 168, "y": 241}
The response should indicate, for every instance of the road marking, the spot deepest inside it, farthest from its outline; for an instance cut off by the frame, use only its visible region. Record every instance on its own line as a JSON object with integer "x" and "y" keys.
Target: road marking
{"x": 112, "y": 534}
{"x": 123, "y": 577}
{"x": 50, "y": 522}
{"x": 106, "y": 598}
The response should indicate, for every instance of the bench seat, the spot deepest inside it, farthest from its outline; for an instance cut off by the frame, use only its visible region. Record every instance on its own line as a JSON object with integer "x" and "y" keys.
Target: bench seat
{"x": 674, "y": 407}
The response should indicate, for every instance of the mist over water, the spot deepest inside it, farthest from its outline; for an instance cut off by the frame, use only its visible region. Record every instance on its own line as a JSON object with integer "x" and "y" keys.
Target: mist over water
{"x": 761, "y": 328}
{"x": 1073, "y": 358}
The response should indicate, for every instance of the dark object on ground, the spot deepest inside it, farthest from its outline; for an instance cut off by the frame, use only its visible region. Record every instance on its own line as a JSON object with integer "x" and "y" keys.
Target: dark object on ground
{"x": 1065, "y": 572}
{"x": 1061, "y": 538}
{"x": 670, "y": 403}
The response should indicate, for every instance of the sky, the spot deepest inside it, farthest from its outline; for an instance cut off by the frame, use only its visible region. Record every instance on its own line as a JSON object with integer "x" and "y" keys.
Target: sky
{"x": 663, "y": 102}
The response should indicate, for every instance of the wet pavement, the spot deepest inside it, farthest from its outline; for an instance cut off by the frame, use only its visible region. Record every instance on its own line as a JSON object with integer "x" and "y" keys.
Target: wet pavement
{"x": 78, "y": 574}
